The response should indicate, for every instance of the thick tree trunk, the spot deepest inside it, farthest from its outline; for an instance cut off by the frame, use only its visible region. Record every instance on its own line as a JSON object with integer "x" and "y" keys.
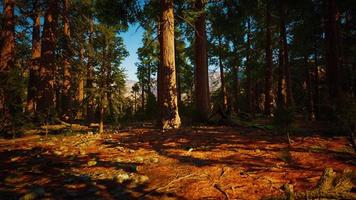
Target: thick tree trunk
{"x": 67, "y": 74}
{"x": 80, "y": 90}
{"x": 170, "y": 116}
{"x": 7, "y": 55}
{"x": 268, "y": 81}
{"x": 332, "y": 50}
{"x": 35, "y": 62}
{"x": 90, "y": 74}
{"x": 47, "y": 69}
{"x": 201, "y": 75}
{"x": 222, "y": 79}
{"x": 284, "y": 56}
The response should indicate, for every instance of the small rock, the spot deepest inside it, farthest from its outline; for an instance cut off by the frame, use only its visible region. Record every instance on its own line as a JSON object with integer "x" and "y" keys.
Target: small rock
{"x": 57, "y": 153}
{"x": 132, "y": 151}
{"x": 154, "y": 160}
{"x": 91, "y": 163}
{"x": 34, "y": 194}
{"x": 121, "y": 178}
{"x": 258, "y": 151}
{"x": 139, "y": 160}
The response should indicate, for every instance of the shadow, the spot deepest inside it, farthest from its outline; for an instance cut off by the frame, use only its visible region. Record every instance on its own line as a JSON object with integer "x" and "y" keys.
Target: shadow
{"x": 209, "y": 139}
{"x": 43, "y": 174}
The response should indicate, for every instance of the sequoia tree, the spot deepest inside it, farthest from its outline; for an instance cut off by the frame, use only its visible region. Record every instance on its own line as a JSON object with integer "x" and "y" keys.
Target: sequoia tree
{"x": 169, "y": 105}
{"x": 35, "y": 60}
{"x": 201, "y": 64}
{"x": 47, "y": 68}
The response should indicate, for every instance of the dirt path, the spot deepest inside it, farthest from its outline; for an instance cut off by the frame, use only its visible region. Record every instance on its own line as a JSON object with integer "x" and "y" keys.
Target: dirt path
{"x": 198, "y": 163}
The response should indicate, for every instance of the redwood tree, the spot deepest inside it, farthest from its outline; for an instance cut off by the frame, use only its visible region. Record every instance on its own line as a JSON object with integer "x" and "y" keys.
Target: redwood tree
{"x": 67, "y": 75}
{"x": 35, "y": 60}
{"x": 201, "y": 64}
{"x": 268, "y": 80}
{"x": 169, "y": 114}
{"x": 332, "y": 49}
{"x": 47, "y": 68}
{"x": 6, "y": 58}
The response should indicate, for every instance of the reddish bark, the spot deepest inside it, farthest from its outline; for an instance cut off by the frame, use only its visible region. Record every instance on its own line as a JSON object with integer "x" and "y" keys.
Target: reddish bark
{"x": 47, "y": 68}
{"x": 67, "y": 71}
{"x": 35, "y": 62}
{"x": 201, "y": 75}
{"x": 170, "y": 116}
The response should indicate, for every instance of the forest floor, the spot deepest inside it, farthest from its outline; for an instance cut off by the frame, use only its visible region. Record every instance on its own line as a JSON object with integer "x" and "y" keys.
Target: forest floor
{"x": 205, "y": 162}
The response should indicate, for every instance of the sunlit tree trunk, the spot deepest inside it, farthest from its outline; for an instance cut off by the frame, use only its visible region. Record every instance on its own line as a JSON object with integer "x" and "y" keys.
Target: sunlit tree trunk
{"x": 67, "y": 74}
{"x": 80, "y": 90}
{"x": 48, "y": 67}
{"x": 268, "y": 81}
{"x": 332, "y": 50}
{"x": 170, "y": 116}
{"x": 35, "y": 62}
{"x": 90, "y": 74}
{"x": 6, "y": 56}
{"x": 285, "y": 57}
{"x": 222, "y": 79}
{"x": 201, "y": 75}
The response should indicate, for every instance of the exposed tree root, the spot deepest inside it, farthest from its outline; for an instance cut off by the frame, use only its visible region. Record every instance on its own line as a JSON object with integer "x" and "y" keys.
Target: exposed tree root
{"x": 330, "y": 186}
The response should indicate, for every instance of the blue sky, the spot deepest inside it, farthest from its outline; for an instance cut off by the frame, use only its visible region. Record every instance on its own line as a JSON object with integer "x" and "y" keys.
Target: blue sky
{"x": 133, "y": 41}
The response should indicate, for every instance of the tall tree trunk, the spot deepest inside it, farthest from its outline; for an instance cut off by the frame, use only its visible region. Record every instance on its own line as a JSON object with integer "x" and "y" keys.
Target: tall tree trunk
{"x": 35, "y": 62}
{"x": 201, "y": 75}
{"x": 178, "y": 77}
{"x": 222, "y": 79}
{"x": 48, "y": 67}
{"x": 332, "y": 50}
{"x": 90, "y": 74}
{"x": 308, "y": 76}
{"x": 249, "y": 70}
{"x": 268, "y": 81}
{"x": 282, "y": 83}
{"x": 7, "y": 55}
{"x": 159, "y": 74}
{"x": 80, "y": 91}
{"x": 284, "y": 51}
{"x": 316, "y": 86}
{"x": 235, "y": 87}
{"x": 170, "y": 116}
{"x": 67, "y": 74}
{"x": 143, "y": 96}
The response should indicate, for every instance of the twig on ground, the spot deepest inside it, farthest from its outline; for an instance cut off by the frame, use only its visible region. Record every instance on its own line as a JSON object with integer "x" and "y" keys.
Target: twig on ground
{"x": 167, "y": 185}
{"x": 218, "y": 187}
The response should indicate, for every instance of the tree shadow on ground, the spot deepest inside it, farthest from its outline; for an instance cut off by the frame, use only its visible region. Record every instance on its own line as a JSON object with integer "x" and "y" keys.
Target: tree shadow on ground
{"x": 240, "y": 142}
{"x": 43, "y": 174}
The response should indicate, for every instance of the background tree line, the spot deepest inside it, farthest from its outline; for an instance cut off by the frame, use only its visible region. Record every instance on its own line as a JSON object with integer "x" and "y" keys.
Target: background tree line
{"x": 272, "y": 57}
